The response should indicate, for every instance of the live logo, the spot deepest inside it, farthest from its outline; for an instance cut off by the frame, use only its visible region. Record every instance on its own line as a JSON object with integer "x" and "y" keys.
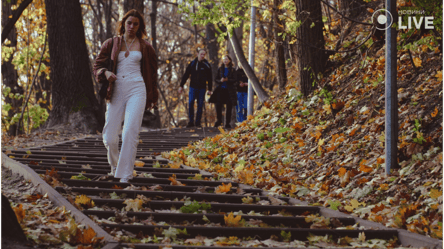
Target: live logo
{"x": 417, "y": 21}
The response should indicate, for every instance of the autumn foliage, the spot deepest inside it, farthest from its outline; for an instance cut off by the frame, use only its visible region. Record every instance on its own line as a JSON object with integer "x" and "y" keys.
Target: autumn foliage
{"x": 329, "y": 148}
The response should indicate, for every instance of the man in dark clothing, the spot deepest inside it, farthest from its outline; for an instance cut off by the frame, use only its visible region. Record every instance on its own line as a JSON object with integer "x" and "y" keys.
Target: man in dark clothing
{"x": 200, "y": 71}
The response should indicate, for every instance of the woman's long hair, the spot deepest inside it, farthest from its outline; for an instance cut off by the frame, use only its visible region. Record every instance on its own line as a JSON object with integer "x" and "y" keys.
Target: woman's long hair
{"x": 229, "y": 64}
{"x": 141, "y": 33}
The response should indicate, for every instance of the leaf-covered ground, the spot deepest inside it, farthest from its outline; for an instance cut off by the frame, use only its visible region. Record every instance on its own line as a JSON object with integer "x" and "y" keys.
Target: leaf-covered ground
{"x": 44, "y": 224}
{"x": 328, "y": 149}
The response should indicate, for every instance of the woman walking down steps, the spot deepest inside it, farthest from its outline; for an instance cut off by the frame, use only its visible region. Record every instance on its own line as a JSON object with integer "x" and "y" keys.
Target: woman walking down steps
{"x": 132, "y": 89}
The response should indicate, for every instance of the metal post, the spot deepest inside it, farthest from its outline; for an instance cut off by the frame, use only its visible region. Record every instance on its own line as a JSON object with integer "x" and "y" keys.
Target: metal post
{"x": 391, "y": 95}
{"x": 250, "y": 105}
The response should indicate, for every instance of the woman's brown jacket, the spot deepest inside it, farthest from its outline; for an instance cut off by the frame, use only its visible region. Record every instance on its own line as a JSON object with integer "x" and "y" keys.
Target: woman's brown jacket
{"x": 148, "y": 67}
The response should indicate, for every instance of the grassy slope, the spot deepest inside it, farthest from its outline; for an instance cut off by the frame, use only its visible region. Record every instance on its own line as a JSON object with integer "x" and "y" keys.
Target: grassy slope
{"x": 328, "y": 149}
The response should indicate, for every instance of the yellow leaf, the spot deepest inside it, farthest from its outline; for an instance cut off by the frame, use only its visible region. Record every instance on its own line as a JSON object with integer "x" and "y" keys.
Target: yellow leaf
{"x": 417, "y": 61}
{"x": 138, "y": 163}
{"x": 174, "y": 165}
{"x": 383, "y": 187}
{"x": 435, "y": 112}
{"x": 221, "y": 130}
{"x": 327, "y": 108}
{"x": 349, "y": 208}
{"x": 363, "y": 167}
{"x": 174, "y": 181}
{"x": 84, "y": 200}
{"x": 380, "y": 160}
{"x": 223, "y": 188}
{"x": 341, "y": 171}
{"x": 87, "y": 236}
{"x": 135, "y": 204}
{"x": 435, "y": 193}
{"x": 232, "y": 221}
{"x": 19, "y": 212}
{"x": 321, "y": 142}
{"x": 439, "y": 75}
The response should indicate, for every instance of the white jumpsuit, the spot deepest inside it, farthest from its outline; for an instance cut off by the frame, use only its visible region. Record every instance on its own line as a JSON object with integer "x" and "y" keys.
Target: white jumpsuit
{"x": 128, "y": 103}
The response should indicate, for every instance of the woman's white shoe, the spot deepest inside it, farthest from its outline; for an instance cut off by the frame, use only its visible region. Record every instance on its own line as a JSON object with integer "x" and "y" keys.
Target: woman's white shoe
{"x": 124, "y": 180}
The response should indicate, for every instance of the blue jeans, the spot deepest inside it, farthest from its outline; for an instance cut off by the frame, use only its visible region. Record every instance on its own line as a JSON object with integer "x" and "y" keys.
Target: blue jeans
{"x": 241, "y": 108}
{"x": 199, "y": 94}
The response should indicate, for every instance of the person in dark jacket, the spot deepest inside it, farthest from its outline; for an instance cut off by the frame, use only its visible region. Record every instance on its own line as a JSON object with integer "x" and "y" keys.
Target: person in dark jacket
{"x": 242, "y": 94}
{"x": 200, "y": 71}
{"x": 225, "y": 92}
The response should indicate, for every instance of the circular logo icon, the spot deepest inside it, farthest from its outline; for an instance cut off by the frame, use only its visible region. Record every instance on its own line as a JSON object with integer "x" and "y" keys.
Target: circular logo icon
{"x": 380, "y": 19}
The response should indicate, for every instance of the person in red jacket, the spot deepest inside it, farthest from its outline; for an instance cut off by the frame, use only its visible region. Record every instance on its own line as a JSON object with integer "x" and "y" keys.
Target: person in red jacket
{"x": 132, "y": 89}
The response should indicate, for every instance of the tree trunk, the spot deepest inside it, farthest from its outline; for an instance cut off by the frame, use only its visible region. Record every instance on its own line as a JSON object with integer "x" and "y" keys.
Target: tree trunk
{"x": 260, "y": 92}
{"x": 239, "y": 33}
{"x": 108, "y": 8}
{"x": 310, "y": 59}
{"x": 213, "y": 47}
{"x": 133, "y": 4}
{"x": 73, "y": 100}
{"x": 153, "y": 16}
{"x": 281, "y": 71}
{"x": 11, "y": 227}
{"x": 9, "y": 74}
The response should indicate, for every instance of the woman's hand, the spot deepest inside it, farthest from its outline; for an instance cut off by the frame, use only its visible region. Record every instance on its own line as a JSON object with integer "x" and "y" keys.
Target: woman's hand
{"x": 110, "y": 76}
{"x": 224, "y": 79}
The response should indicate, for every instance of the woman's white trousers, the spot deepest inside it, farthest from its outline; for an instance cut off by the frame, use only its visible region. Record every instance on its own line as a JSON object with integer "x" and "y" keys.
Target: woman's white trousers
{"x": 128, "y": 104}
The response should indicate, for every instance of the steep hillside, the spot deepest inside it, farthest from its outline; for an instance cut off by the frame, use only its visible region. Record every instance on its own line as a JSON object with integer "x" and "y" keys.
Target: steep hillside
{"x": 328, "y": 149}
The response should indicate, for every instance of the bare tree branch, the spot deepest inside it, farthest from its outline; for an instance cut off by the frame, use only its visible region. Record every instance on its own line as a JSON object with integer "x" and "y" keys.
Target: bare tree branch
{"x": 171, "y": 21}
{"x": 8, "y": 27}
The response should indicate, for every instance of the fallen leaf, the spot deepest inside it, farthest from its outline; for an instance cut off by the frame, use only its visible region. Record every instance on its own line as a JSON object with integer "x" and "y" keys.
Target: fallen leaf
{"x": 232, "y": 221}
{"x": 438, "y": 75}
{"x": 417, "y": 61}
{"x": 85, "y": 201}
{"x": 341, "y": 171}
{"x": 139, "y": 163}
{"x": 435, "y": 193}
{"x": 174, "y": 181}
{"x": 363, "y": 167}
{"x": 435, "y": 112}
{"x": 224, "y": 188}
{"x": 134, "y": 205}
{"x": 19, "y": 212}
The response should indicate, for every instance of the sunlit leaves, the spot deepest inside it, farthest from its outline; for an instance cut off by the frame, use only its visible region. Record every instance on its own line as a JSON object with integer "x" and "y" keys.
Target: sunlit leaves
{"x": 223, "y": 188}
{"x": 353, "y": 205}
{"x": 138, "y": 163}
{"x": 363, "y": 167}
{"x": 84, "y": 201}
{"x": 174, "y": 181}
{"x": 133, "y": 204}
{"x": 75, "y": 235}
{"x": 417, "y": 61}
{"x": 19, "y": 212}
{"x": 435, "y": 193}
{"x": 438, "y": 75}
{"x": 232, "y": 221}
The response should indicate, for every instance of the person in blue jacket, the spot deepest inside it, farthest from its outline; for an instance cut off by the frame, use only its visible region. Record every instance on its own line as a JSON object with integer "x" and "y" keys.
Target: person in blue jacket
{"x": 242, "y": 94}
{"x": 200, "y": 71}
{"x": 225, "y": 92}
